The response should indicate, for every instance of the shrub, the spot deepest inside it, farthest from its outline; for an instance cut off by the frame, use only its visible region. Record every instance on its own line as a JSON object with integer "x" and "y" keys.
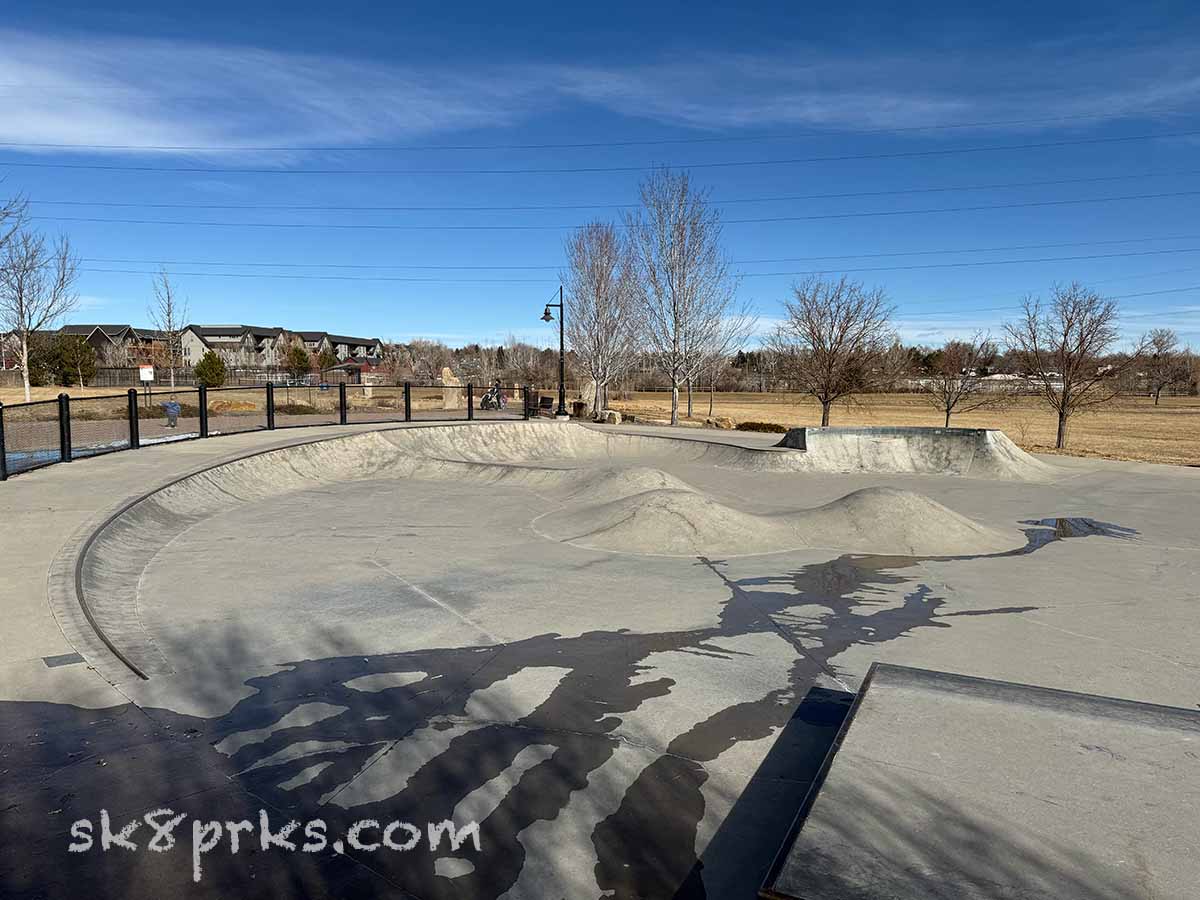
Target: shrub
{"x": 296, "y": 409}
{"x": 89, "y": 414}
{"x": 769, "y": 427}
{"x": 210, "y": 371}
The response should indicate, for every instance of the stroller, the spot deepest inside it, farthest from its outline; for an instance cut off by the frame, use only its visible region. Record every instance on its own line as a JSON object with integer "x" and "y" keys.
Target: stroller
{"x": 495, "y": 398}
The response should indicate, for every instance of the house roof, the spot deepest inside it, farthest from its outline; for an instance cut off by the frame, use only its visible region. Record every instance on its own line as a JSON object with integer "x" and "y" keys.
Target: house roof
{"x": 112, "y": 332}
{"x": 205, "y": 332}
{"x": 343, "y": 339}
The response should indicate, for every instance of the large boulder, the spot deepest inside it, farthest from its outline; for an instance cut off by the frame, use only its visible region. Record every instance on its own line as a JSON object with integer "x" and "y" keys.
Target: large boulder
{"x": 587, "y": 394}
{"x": 452, "y": 393}
{"x": 610, "y": 417}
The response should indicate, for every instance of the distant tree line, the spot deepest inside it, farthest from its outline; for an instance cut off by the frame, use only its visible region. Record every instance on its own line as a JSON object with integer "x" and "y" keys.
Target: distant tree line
{"x": 651, "y": 305}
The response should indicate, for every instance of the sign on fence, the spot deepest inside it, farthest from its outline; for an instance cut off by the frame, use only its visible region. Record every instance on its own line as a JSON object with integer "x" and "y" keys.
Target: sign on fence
{"x": 146, "y": 373}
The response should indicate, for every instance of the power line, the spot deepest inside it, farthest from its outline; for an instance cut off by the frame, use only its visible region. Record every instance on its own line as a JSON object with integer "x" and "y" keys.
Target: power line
{"x": 310, "y": 277}
{"x": 949, "y": 265}
{"x": 584, "y": 145}
{"x": 904, "y": 154}
{"x": 966, "y": 310}
{"x": 572, "y": 206}
{"x": 959, "y": 309}
{"x": 975, "y": 263}
{"x": 872, "y": 255}
{"x": 374, "y": 226}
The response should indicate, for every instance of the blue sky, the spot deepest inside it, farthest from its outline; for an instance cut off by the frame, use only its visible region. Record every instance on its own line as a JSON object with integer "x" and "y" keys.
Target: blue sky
{"x": 959, "y": 159}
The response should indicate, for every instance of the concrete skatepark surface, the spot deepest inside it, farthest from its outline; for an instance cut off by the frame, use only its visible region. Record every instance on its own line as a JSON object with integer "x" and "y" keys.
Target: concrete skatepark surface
{"x": 956, "y": 787}
{"x": 624, "y": 652}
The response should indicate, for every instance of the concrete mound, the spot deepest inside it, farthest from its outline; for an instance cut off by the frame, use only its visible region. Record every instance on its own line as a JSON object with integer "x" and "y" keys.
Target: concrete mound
{"x": 685, "y": 522}
{"x": 668, "y": 523}
{"x": 891, "y": 521}
{"x": 617, "y": 483}
{"x": 970, "y": 452}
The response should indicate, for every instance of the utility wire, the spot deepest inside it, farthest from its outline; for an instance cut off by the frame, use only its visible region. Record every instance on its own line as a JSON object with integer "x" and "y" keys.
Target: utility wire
{"x": 576, "y": 170}
{"x": 571, "y": 206}
{"x": 310, "y": 277}
{"x": 786, "y": 259}
{"x": 418, "y": 279}
{"x": 970, "y": 310}
{"x": 958, "y": 310}
{"x": 373, "y": 226}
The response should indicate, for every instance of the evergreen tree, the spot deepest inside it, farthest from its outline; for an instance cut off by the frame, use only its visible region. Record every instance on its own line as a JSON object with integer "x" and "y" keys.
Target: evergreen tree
{"x": 73, "y": 360}
{"x": 210, "y": 371}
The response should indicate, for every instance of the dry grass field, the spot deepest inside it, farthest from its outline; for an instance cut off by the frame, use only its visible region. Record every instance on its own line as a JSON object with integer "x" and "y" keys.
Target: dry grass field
{"x": 1127, "y": 428}
{"x": 10, "y": 395}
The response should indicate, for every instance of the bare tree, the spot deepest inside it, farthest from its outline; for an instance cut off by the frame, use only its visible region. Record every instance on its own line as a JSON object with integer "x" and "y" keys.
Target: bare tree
{"x": 1166, "y": 364}
{"x": 168, "y": 314}
{"x": 1061, "y": 346}
{"x": 429, "y": 358}
{"x": 604, "y": 305}
{"x": 836, "y": 340}
{"x": 722, "y": 342}
{"x": 687, "y": 286}
{"x": 37, "y": 287}
{"x": 13, "y": 215}
{"x": 956, "y": 380}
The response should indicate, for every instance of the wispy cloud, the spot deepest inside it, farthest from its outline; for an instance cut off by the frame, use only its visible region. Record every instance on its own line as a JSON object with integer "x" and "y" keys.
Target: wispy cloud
{"x": 134, "y": 91}
{"x": 157, "y": 92}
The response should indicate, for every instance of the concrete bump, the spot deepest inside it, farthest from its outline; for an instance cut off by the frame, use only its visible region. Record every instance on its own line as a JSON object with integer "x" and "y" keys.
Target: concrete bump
{"x": 680, "y": 521}
{"x": 628, "y": 504}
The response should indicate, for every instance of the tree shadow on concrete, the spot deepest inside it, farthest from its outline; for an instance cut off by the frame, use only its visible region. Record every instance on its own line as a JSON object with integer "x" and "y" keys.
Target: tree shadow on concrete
{"x": 889, "y": 837}
{"x": 306, "y": 733}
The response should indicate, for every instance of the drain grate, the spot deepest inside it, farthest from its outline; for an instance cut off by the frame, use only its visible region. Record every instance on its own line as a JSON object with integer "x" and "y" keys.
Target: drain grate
{"x": 65, "y": 659}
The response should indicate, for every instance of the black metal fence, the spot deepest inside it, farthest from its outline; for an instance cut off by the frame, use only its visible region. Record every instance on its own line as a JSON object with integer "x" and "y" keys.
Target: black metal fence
{"x": 45, "y": 432}
{"x": 253, "y": 376}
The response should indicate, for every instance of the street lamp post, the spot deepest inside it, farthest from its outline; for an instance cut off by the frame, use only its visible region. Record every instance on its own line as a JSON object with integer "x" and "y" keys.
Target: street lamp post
{"x": 547, "y": 316}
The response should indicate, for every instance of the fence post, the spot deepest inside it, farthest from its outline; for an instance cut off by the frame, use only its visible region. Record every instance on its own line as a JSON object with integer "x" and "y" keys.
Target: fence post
{"x": 135, "y": 433}
{"x": 270, "y": 406}
{"x": 64, "y": 427}
{"x": 342, "y": 410}
{"x": 203, "y": 401}
{"x": 3, "y": 452}
{"x": 470, "y": 401}
{"x": 407, "y": 402}
{"x": 525, "y": 399}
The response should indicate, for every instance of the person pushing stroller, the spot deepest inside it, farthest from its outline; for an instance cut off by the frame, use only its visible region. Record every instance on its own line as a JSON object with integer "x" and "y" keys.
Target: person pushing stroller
{"x": 495, "y": 398}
